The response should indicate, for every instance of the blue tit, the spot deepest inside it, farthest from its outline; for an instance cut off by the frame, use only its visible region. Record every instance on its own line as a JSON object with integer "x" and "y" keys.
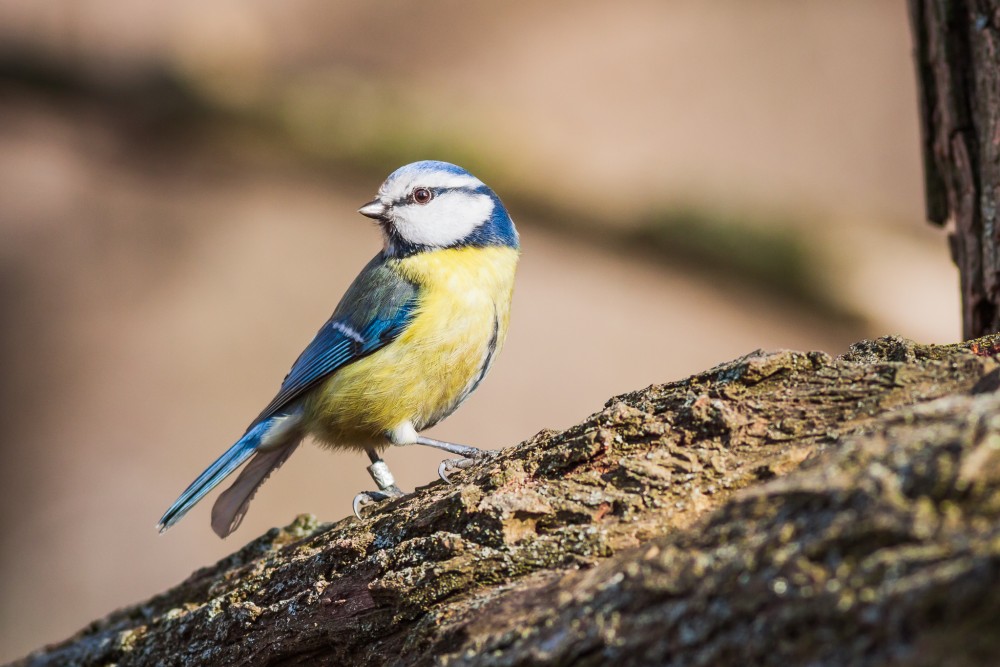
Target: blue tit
{"x": 412, "y": 338}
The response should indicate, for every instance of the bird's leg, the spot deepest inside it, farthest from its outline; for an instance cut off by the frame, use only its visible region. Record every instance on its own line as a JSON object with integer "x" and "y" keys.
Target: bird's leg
{"x": 386, "y": 483}
{"x": 465, "y": 451}
{"x": 469, "y": 455}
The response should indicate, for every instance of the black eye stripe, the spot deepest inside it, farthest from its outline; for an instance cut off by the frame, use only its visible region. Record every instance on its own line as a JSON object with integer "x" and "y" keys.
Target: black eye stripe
{"x": 410, "y": 197}
{"x": 435, "y": 193}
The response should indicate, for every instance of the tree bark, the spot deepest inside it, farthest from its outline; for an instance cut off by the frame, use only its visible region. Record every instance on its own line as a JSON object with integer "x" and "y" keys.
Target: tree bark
{"x": 957, "y": 53}
{"x": 783, "y": 508}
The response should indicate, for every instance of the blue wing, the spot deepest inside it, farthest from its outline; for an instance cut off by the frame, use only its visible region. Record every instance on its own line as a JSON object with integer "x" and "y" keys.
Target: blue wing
{"x": 376, "y": 308}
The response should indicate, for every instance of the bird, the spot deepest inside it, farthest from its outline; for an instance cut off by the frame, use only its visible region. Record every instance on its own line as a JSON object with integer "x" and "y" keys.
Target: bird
{"x": 413, "y": 336}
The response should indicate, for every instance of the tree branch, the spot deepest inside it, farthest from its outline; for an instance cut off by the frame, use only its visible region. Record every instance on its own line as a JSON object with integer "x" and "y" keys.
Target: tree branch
{"x": 783, "y": 507}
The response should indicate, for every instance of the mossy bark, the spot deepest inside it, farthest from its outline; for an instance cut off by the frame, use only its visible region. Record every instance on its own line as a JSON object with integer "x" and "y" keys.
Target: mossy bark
{"x": 782, "y": 508}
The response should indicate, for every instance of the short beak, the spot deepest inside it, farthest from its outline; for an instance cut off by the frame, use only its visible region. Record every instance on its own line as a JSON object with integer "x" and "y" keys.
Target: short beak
{"x": 374, "y": 209}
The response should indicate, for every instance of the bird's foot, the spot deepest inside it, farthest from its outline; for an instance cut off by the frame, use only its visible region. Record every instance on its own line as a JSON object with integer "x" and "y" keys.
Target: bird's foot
{"x": 366, "y": 498}
{"x": 387, "y": 488}
{"x": 467, "y": 455}
{"x": 451, "y": 465}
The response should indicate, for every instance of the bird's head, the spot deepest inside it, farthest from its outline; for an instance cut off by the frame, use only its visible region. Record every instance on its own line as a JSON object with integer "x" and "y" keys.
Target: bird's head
{"x": 429, "y": 205}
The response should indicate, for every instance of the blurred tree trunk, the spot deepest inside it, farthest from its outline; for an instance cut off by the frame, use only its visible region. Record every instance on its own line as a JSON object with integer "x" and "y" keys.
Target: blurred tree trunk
{"x": 957, "y": 52}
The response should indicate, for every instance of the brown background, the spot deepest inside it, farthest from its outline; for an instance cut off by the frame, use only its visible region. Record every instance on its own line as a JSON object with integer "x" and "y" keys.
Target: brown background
{"x": 155, "y": 295}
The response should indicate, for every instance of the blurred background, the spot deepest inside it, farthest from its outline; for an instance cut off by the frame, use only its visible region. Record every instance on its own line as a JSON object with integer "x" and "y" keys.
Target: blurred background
{"x": 178, "y": 193}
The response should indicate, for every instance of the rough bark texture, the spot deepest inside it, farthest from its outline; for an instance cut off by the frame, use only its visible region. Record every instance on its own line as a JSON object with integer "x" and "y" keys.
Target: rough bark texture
{"x": 957, "y": 51}
{"x": 783, "y": 508}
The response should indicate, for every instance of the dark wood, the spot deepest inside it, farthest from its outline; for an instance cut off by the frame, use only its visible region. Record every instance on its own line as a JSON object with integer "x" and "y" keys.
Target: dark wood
{"x": 957, "y": 57}
{"x": 780, "y": 509}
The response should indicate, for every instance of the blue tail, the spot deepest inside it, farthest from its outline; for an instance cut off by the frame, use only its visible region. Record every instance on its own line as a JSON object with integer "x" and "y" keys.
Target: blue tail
{"x": 224, "y": 466}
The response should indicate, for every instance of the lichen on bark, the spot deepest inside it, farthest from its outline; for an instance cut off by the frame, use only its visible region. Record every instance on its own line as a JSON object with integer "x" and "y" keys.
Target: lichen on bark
{"x": 781, "y": 508}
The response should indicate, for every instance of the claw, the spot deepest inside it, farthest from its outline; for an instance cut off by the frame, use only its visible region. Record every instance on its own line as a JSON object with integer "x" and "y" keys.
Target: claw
{"x": 443, "y": 472}
{"x": 366, "y": 497}
{"x": 356, "y": 505}
{"x": 455, "y": 464}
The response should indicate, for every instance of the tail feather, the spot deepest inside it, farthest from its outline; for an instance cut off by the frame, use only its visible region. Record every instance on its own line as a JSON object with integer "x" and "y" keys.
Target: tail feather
{"x": 223, "y": 466}
{"x": 232, "y": 504}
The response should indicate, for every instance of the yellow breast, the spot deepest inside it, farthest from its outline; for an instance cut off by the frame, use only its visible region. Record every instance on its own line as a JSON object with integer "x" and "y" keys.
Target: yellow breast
{"x": 458, "y": 327}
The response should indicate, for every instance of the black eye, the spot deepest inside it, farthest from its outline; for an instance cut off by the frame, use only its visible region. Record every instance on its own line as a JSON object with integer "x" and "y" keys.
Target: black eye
{"x": 422, "y": 195}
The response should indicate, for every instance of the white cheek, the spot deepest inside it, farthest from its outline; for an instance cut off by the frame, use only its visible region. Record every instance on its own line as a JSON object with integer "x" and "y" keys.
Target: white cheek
{"x": 446, "y": 220}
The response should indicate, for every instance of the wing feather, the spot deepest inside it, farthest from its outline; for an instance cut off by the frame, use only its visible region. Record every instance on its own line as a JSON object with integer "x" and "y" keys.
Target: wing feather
{"x": 376, "y": 308}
